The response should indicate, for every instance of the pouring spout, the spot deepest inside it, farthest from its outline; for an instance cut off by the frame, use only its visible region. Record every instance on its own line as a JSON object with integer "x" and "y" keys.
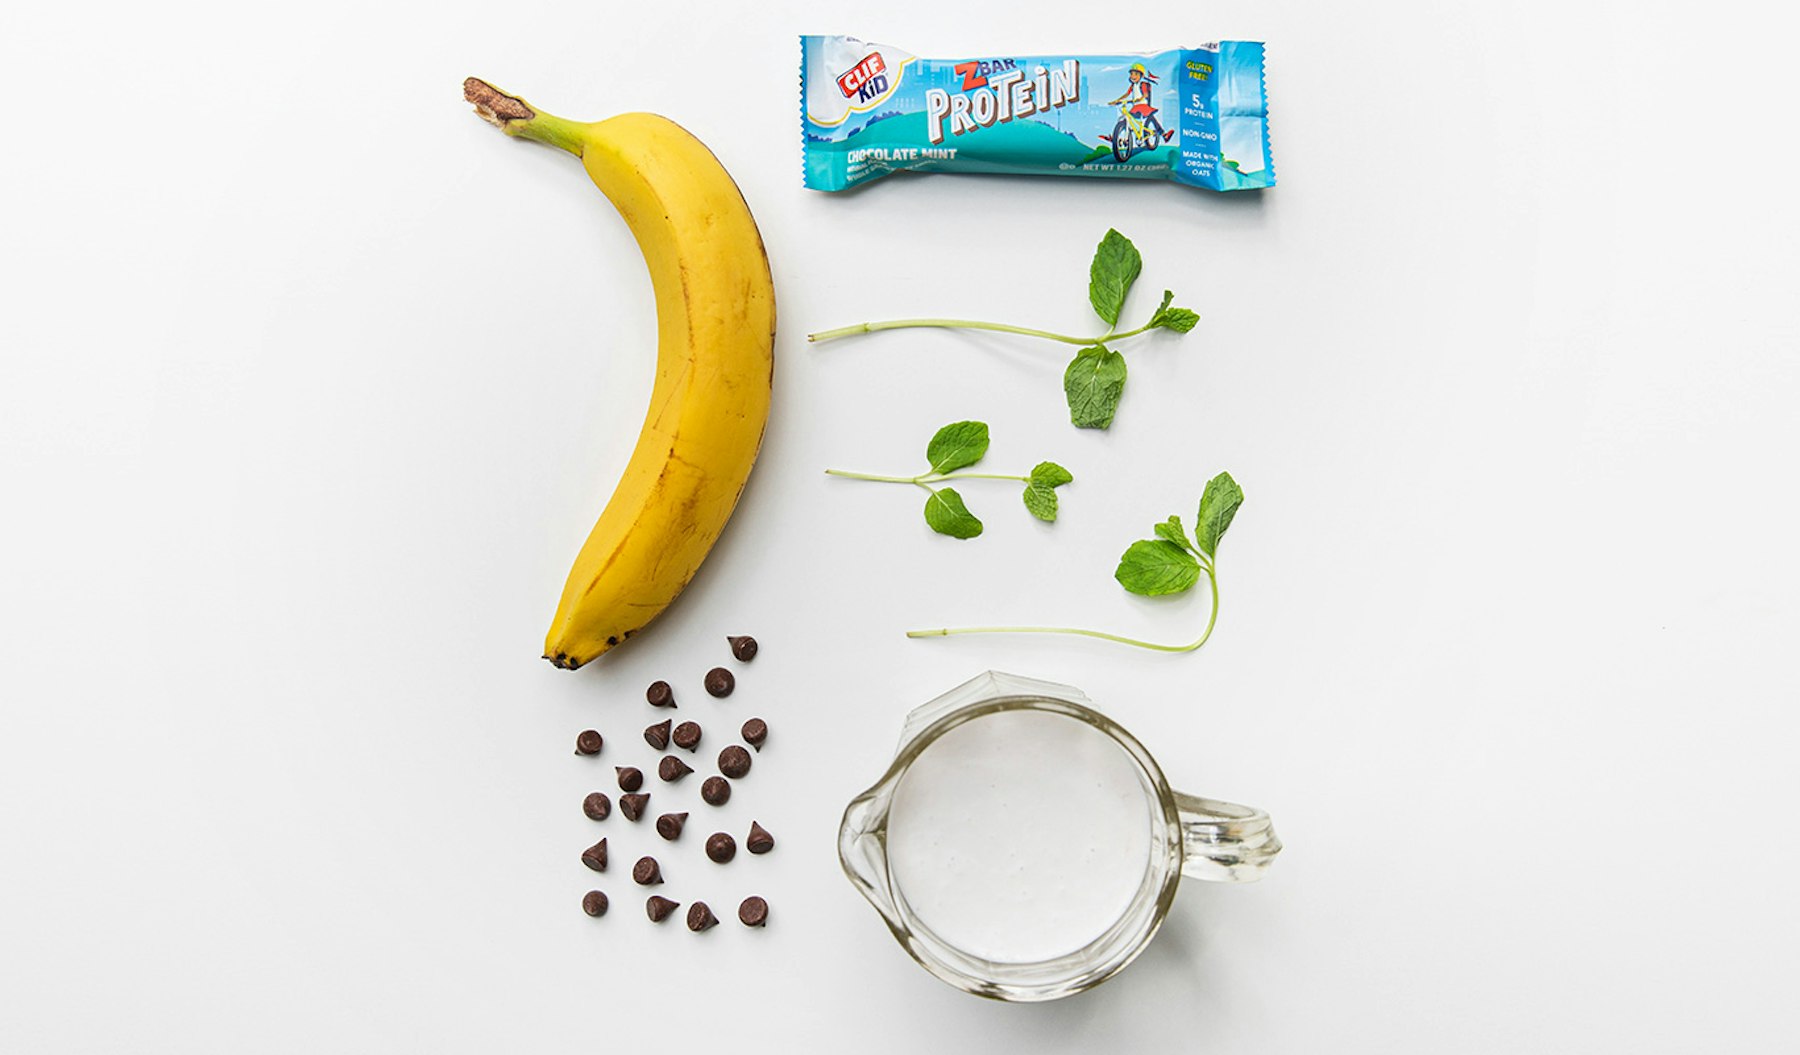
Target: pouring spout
{"x": 862, "y": 850}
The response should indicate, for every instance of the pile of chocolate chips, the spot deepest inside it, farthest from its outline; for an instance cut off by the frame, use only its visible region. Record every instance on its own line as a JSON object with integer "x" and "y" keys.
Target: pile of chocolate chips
{"x": 715, "y": 790}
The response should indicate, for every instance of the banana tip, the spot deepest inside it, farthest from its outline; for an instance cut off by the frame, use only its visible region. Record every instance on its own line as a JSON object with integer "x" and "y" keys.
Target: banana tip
{"x": 563, "y": 661}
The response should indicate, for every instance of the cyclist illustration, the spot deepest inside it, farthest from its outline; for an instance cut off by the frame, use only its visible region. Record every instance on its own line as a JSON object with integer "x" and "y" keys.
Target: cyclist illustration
{"x": 1138, "y": 129}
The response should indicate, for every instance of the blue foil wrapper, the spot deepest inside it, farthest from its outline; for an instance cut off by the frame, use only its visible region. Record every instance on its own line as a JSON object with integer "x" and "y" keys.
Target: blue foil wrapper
{"x": 1198, "y": 116}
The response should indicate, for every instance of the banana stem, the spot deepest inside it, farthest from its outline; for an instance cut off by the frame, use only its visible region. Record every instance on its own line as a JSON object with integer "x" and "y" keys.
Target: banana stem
{"x": 516, "y": 117}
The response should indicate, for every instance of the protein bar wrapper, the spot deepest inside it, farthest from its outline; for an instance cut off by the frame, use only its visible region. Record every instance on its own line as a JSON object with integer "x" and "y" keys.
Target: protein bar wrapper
{"x": 1198, "y": 116}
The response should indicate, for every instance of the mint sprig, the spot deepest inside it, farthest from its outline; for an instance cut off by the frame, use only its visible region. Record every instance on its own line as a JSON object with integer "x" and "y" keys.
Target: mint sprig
{"x": 1171, "y": 563}
{"x": 1094, "y": 380}
{"x": 959, "y": 445}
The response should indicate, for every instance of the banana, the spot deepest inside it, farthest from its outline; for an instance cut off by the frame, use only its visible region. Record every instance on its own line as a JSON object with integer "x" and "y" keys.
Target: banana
{"x": 715, "y": 314}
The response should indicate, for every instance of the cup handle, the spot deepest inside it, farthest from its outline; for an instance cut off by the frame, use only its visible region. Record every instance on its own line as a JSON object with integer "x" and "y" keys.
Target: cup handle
{"x": 1223, "y": 841}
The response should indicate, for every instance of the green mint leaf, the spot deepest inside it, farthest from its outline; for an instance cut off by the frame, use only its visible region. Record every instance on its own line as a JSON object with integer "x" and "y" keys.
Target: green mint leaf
{"x": 1040, "y": 492}
{"x": 1181, "y": 320}
{"x": 1050, "y": 474}
{"x": 1218, "y": 505}
{"x": 957, "y": 446}
{"x": 1041, "y": 501}
{"x": 1155, "y": 567}
{"x": 1171, "y": 530}
{"x": 1115, "y": 267}
{"x": 1093, "y": 383}
{"x": 945, "y": 512}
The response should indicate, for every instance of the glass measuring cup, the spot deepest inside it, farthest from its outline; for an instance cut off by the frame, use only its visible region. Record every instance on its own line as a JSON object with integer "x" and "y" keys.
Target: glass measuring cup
{"x": 907, "y": 856}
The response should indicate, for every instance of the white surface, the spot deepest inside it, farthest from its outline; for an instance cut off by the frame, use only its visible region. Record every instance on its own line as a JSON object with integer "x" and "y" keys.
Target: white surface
{"x": 311, "y": 384}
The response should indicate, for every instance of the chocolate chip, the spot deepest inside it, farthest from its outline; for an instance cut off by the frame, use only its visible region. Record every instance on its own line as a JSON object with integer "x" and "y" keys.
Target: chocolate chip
{"x": 660, "y": 695}
{"x": 669, "y": 825}
{"x": 659, "y": 907}
{"x": 630, "y": 778}
{"x": 646, "y": 872}
{"x": 754, "y": 912}
{"x": 672, "y": 768}
{"x": 632, "y": 806}
{"x": 595, "y": 856}
{"x": 719, "y": 682}
{"x": 597, "y": 806}
{"x": 716, "y": 791}
{"x": 734, "y": 762}
{"x": 687, "y": 735}
{"x": 720, "y": 847}
{"x": 744, "y": 648}
{"x": 657, "y": 735}
{"x": 588, "y": 742}
{"x": 755, "y": 732}
{"x": 593, "y": 903}
{"x": 700, "y": 917}
{"x": 759, "y": 840}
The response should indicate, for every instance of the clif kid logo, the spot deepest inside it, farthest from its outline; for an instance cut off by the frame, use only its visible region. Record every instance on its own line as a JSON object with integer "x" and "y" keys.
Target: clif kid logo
{"x": 866, "y": 80}
{"x": 996, "y": 90}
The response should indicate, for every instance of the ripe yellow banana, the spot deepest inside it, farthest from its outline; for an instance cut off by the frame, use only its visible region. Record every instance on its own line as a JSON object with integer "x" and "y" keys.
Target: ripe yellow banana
{"x": 715, "y": 314}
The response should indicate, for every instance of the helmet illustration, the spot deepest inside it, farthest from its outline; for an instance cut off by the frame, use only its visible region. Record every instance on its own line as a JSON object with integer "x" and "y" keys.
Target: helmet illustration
{"x": 1138, "y": 68}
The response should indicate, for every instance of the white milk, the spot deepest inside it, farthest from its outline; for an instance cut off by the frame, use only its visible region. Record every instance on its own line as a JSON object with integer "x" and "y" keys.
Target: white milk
{"x": 1020, "y": 836}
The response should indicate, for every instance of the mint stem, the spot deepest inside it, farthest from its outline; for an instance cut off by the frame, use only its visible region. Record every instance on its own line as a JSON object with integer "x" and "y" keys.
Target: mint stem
{"x": 968, "y": 324}
{"x": 1211, "y": 578}
{"x": 954, "y": 324}
{"x": 924, "y": 478}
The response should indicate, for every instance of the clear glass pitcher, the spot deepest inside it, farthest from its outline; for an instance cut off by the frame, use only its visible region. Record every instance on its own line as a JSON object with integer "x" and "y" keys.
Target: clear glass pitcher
{"x": 1181, "y": 835}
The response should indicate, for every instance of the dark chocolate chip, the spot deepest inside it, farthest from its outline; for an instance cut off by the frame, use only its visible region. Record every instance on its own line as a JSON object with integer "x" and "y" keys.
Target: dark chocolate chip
{"x": 646, "y": 872}
{"x": 720, "y": 847}
{"x": 754, "y": 912}
{"x": 597, "y": 806}
{"x": 595, "y": 856}
{"x": 719, "y": 682}
{"x": 716, "y": 791}
{"x": 588, "y": 742}
{"x": 657, "y": 735}
{"x": 687, "y": 735}
{"x": 700, "y": 917}
{"x": 593, "y": 903}
{"x": 744, "y": 648}
{"x": 759, "y": 840}
{"x": 660, "y": 695}
{"x": 669, "y": 825}
{"x": 659, "y": 907}
{"x": 755, "y": 732}
{"x": 734, "y": 762}
{"x": 630, "y": 778}
{"x": 632, "y": 806}
{"x": 672, "y": 768}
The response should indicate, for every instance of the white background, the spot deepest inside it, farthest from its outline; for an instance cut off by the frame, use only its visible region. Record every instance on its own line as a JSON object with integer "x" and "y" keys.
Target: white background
{"x": 311, "y": 384}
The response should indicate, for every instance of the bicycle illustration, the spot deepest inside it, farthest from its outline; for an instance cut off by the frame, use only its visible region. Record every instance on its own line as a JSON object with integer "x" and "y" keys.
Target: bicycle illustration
{"x": 1132, "y": 135}
{"x": 1138, "y": 129}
